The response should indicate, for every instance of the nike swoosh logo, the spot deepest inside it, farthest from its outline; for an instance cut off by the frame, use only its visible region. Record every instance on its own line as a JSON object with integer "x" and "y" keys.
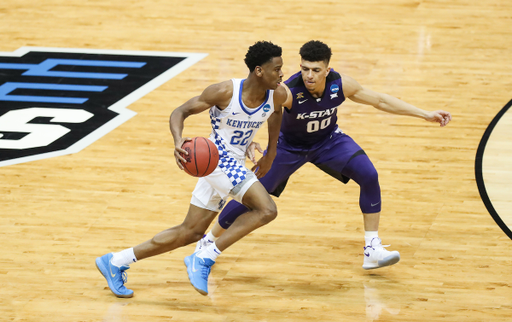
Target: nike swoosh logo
{"x": 194, "y": 265}
{"x": 300, "y": 102}
{"x": 375, "y": 204}
{"x": 110, "y": 267}
{"x": 234, "y": 113}
{"x": 367, "y": 254}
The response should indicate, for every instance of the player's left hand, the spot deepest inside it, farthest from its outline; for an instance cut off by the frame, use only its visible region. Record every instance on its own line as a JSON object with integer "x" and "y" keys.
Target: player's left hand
{"x": 263, "y": 165}
{"x": 251, "y": 151}
{"x": 441, "y": 117}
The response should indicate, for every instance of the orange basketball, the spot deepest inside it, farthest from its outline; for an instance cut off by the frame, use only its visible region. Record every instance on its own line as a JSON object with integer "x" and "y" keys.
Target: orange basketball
{"x": 202, "y": 157}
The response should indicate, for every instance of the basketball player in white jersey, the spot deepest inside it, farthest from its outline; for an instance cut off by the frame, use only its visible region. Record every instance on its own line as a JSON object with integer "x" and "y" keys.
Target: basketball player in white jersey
{"x": 238, "y": 108}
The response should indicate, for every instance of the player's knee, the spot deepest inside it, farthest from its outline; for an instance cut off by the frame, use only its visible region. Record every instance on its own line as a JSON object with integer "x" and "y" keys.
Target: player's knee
{"x": 373, "y": 176}
{"x": 268, "y": 213}
{"x": 370, "y": 177}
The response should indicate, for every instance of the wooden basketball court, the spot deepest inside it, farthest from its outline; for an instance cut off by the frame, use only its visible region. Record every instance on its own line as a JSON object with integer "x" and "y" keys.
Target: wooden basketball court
{"x": 58, "y": 214}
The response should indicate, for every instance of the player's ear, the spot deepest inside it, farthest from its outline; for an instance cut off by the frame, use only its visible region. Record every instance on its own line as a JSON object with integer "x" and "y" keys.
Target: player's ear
{"x": 258, "y": 70}
{"x": 328, "y": 71}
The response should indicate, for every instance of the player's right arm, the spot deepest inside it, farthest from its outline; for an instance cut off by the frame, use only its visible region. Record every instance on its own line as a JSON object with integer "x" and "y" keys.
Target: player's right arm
{"x": 216, "y": 94}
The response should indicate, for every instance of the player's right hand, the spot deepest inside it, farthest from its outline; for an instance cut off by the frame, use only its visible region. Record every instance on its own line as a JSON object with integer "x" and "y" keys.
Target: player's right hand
{"x": 251, "y": 151}
{"x": 177, "y": 150}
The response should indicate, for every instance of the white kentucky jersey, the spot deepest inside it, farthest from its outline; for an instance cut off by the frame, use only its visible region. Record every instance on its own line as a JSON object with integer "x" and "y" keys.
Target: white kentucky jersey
{"x": 234, "y": 128}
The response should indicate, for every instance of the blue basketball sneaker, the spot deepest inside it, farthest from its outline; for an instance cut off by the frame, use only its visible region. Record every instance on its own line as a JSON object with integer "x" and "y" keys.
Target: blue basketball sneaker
{"x": 115, "y": 276}
{"x": 198, "y": 270}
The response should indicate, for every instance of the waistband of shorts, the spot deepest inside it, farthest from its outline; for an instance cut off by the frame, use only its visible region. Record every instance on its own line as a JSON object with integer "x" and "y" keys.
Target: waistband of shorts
{"x": 303, "y": 150}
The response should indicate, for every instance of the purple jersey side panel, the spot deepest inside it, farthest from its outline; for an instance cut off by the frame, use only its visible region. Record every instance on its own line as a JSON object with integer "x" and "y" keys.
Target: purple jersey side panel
{"x": 311, "y": 120}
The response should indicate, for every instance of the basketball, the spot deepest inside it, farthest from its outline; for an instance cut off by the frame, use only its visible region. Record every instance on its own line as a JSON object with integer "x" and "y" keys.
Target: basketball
{"x": 202, "y": 157}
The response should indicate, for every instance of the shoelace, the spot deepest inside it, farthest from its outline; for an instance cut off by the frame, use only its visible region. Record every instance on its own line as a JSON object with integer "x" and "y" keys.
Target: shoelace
{"x": 373, "y": 247}
{"x": 383, "y": 246}
{"x": 124, "y": 276}
{"x": 205, "y": 271}
{"x": 379, "y": 244}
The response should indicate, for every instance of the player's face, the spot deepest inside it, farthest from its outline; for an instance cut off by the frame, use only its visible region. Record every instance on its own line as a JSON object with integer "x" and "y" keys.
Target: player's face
{"x": 314, "y": 74}
{"x": 272, "y": 73}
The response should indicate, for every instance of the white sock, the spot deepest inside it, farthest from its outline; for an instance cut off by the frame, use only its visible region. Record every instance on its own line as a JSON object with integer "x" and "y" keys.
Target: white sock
{"x": 210, "y": 252}
{"x": 369, "y": 235}
{"x": 124, "y": 258}
{"x": 210, "y": 237}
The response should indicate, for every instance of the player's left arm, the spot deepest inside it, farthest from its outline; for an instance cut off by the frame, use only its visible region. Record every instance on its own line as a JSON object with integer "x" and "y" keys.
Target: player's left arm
{"x": 387, "y": 103}
{"x": 274, "y": 125}
{"x": 289, "y": 97}
{"x": 255, "y": 146}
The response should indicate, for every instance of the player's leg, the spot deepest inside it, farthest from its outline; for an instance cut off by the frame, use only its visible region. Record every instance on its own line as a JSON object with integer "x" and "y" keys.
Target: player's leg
{"x": 361, "y": 170}
{"x": 263, "y": 211}
{"x": 210, "y": 237}
{"x": 193, "y": 227}
{"x": 285, "y": 164}
{"x": 191, "y": 230}
{"x": 113, "y": 266}
{"x": 227, "y": 217}
{"x": 202, "y": 210}
{"x": 343, "y": 159}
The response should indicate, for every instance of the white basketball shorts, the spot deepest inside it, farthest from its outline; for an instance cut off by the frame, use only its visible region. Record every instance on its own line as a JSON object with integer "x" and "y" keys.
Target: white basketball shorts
{"x": 227, "y": 180}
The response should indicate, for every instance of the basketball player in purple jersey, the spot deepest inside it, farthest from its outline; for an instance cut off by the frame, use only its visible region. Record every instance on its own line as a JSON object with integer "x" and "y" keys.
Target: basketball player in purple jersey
{"x": 309, "y": 133}
{"x": 238, "y": 107}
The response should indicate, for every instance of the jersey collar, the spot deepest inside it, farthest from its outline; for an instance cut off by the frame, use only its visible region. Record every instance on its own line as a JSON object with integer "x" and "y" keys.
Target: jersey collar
{"x": 247, "y": 110}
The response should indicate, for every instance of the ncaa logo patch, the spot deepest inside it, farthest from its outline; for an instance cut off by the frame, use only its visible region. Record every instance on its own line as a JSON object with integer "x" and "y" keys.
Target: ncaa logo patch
{"x": 335, "y": 88}
{"x": 266, "y": 108}
{"x": 57, "y": 101}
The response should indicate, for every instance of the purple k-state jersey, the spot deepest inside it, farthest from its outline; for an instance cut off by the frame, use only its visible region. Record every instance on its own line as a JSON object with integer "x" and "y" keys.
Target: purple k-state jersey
{"x": 311, "y": 120}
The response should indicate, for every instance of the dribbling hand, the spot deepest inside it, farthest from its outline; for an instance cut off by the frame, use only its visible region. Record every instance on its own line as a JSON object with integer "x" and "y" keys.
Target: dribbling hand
{"x": 178, "y": 150}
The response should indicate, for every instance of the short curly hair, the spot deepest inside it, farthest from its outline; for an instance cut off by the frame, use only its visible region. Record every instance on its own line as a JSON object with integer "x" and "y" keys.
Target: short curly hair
{"x": 260, "y": 53}
{"x": 315, "y": 50}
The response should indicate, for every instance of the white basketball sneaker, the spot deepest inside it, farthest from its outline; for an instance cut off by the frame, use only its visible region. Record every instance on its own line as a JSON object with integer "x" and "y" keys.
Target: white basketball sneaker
{"x": 203, "y": 243}
{"x": 376, "y": 256}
